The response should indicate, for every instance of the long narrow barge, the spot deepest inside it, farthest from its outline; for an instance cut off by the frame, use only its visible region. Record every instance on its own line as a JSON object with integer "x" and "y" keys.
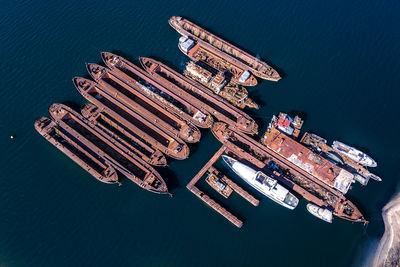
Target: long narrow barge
{"x": 121, "y": 90}
{"x": 166, "y": 143}
{"x": 292, "y": 175}
{"x": 117, "y": 131}
{"x": 82, "y": 155}
{"x": 220, "y": 108}
{"x": 141, "y": 83}
{"x": 224, "y": 49}
{"x": 108, "y": 148}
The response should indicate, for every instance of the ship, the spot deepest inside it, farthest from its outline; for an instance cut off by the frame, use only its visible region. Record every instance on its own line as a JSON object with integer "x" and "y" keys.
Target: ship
{"x": 236, "y": 58}
{"x": 144, "y": 84}
{"x": 321, "y": 213}
{"x": 354, "y": 154}
{"x": 263, "y": 183}
{"x": 91, "y": 162}
{"x": 117, "y": 131}
{"x": 122, "y": 90}
{"x": 216, "y": 81}
{"x": 115, "y": 153}
{"x": 169, "y": 145}
{"x": 200, "y": 95}
{"x": 219, "y": 185}
{"x": 285, "y": 171}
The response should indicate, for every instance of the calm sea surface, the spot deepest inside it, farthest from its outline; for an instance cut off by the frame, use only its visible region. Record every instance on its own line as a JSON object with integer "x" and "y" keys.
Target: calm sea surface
{"x": 341, "y": 64}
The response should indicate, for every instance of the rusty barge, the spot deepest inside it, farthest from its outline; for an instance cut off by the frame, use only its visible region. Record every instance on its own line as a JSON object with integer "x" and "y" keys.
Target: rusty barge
{"x": 133, "y": 122}
{"x": 200, "y": 44}
{"x": 149, "y": 109}
{"x": 81, "y": 154}
{"x": 115, "y": 153}
{"x": 197, "y": 93}
{"x": 290, "y": 174}
{"x": 117, "y": 131}
{"x": 144, "y": 84}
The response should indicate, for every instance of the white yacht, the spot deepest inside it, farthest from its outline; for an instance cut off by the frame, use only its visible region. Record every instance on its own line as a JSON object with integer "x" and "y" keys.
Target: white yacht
{"x": 323, "y": 214}
{"x": 354, "y": 154}
{"x": 263, "y": 183}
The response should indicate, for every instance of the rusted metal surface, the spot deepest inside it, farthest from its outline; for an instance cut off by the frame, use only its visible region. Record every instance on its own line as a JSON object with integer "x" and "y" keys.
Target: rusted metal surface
{"x": 115, "y": 130}
{"x": 291, "y": 175}
{"x": 246, "y": 195}
{"x": 120, "y": 157}
{"x": 306, "y": 159}
{"x": 121, "y": 89}
{"x": 199, "y": 95}
{"x": 88, "y": 159}
{"x": 145, "y": 129}
{"x": 229, "y": 52}
{"x": 217, "y": 82}
{"x": 142, "y": 83}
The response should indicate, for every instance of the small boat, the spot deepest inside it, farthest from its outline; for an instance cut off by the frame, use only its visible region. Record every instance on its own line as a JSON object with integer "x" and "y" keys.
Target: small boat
{"x": 263, "y": 183}
{"x": 361, "y": 179}
{"x": 354, "y": 154}
{"x": 375, "y": 177}
{"x": 219, "y": 185}
{"x": 322, "y": 213}
{"x": 317, "y": 138}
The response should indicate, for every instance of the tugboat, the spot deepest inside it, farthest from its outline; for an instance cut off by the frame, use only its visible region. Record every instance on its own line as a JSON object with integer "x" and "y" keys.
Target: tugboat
{"x": 354, "y": 154}
{"x": 321, "y": 213}
{"x": 263, "y": 183}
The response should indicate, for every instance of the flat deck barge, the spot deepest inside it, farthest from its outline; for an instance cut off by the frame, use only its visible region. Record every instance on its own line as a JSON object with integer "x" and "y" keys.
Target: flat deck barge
{"x": 287, "y": 172}
{"x": 197, "y": 93}
{"x": 165, "y": 142}
{"x": 117, "y": 131}
{"x": 109, "y": 149}
{"x": 121, "y": 89}
{"x": 88, "y": 159}
{"x": 229, "y": 52}
{"x": 144, "y": 84}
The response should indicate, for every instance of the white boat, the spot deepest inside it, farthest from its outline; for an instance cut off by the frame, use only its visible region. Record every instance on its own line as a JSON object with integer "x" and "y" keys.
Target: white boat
{"x": 354, "y": 154}
{"x": 263, "y": 183}
{"x": 323, "y": 214}
{"x": 361, "y": 179}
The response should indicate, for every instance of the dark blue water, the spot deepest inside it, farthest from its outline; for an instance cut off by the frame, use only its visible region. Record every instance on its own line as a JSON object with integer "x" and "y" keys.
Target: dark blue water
{"x": 341, "y": 64}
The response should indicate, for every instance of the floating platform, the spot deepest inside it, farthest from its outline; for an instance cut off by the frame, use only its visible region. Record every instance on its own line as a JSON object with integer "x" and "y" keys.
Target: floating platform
{"x": 168, "y": 144}
{"x": 88, "y": 159}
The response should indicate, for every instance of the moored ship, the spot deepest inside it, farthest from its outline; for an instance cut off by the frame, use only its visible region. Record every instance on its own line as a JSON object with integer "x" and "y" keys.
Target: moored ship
{"x": 77, "y": 151}
{"x": 143, "y": 83}
{"x": 354, "y": 154}
{"x": 117, "y": 131}
{"x": 197, "y": 93}
{"x": 228, "y": 51}
{"x": 216, "y": 81}
{"x": 109, "y": 149}
{"x": 169, "y": 145}
{"x": 263, "y": 183}
{"x": 122, "y": 90}
{"x": 319, "y": 212}
{"x": 219, "y": 185}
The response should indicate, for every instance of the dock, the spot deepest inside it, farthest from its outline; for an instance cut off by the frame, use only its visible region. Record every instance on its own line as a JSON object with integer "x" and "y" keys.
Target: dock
{"x": 208, "y": 200}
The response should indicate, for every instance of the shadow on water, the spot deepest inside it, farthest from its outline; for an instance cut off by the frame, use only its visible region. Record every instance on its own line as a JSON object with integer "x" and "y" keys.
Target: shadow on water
{"x": 169, "y": 177}
{"x": 75, "y": 106}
